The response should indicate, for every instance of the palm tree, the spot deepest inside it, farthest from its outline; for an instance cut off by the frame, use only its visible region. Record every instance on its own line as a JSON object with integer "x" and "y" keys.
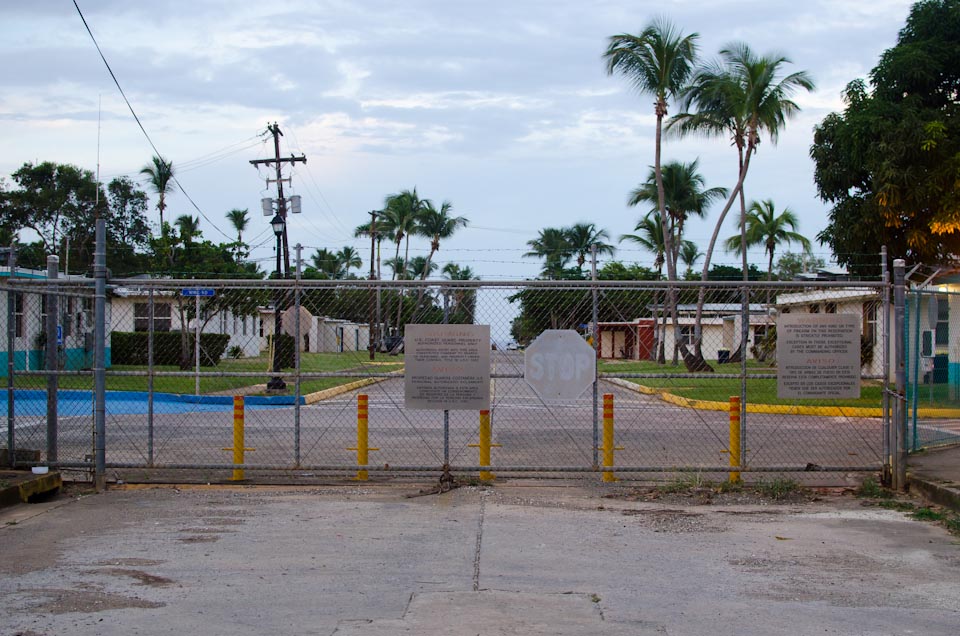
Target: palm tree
{"x": 160, "y": 178}
{"x": 400, "y": 217}
{"x": 658, "y": 61}
{"x": 741, "y": 95}
{"x": 326, "y": 262}
{"x": 349, "y": 258}
{"x": 689, "y": 255}
{"x": 421, "y": 266}
{"x": 765, "y": 227}
{"x": 684, "y": 194}
{"x": 583, "y": 236}
{"x": 364, "y": 230}
{"x": 396, "y": 266}
{"x": 464, "y": 300}
{"x": 437, "y": 224}
{"x": 189, "y": 227}
{"x": 552, "y": 246}
{"x": 650, "y": 237}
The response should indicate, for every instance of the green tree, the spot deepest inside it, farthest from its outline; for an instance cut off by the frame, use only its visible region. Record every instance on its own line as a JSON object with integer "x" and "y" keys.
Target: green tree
{"x": 400, "y": 218}
{"x": 888, "y": 163}
{"x": 581, "y": 237}
{"x": 189, "y": 227}
{"x": 743, "y": 96}
{"x": 160, "y": 178}
{"x": 240, "y": 220}
{"x": 790, "y": 264}
{"x": 689, "y": 255}
{"x": 685, "y": 194}
{"x": 436, "y": 224}
{"x": 649, "y": 236}
{"x": 553, "y": 246}
{"x": 766, "y": 227}
{"x": 349, "y": 258}
{"x": 658, "y": 61}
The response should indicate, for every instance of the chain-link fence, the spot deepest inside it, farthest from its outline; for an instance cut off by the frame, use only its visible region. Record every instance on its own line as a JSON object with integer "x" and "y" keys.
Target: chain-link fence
{"x": 932, "y": 368}
{"x": 300, "y": 353}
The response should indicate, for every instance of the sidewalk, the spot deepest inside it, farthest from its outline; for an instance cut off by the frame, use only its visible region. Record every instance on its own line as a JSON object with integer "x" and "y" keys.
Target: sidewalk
{"x": 935, "y": 475}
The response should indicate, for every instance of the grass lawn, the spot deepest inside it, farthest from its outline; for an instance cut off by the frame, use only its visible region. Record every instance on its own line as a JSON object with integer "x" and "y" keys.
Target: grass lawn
{"x": 211, "y": 380}
{"x": 759, "y": 391}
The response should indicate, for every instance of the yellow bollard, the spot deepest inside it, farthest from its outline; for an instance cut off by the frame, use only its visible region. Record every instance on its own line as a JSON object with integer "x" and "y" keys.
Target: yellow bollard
{"x": 485, "y": 445}
{"x": 238, "y": 442}
{"x": 362, "y": 447}
{"x": 734, "y": 439}
{"x": 608, "y": 445}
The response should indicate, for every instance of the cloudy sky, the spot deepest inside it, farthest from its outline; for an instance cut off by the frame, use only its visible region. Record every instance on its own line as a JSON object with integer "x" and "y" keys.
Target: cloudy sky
{"x": 501, "y": 107}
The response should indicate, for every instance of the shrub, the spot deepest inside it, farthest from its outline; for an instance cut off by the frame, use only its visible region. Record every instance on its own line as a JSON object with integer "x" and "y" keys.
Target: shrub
{"x": 131, "y": 347}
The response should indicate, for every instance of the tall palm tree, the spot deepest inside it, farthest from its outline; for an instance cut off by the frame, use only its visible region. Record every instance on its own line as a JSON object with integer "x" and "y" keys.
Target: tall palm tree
{"x": 553, "y": 247}
{"x": 421, "y": 266}
{"x": 685, "y": 194}
{"x": 583, "y": 236}
{"x": 437, "y": 224}
{"x": 689, "y": 255}
{"x": 189, "y": 227}
{"x": 326, "y": 262}
{"x": 239, "y": 219}
{"x": 159, "y": 173}
{"x": 401, "y": 215}
{"x": 765, "y": 227}
{"x": 658, "y": 61}
{"x": 743, "y": 96}
{"x": 349, "y": 258}
{"x": 464, "y": 300}
{"x": 650, "y": 237}
{"x": 364, "y": 230}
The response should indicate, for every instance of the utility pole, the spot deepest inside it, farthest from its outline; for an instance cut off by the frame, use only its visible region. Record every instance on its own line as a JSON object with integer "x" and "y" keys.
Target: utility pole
{"x": 374, "y": 326}
{"x": 274, "y": 129}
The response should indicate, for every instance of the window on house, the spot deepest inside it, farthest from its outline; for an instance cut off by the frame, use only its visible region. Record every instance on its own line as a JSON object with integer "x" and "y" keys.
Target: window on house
{"x": 943, "y": 322}
{"x": 161, "y": 316}
{"x": 814, "y": 309}
{"x": 243, "y": 324}
{"x": 261, "y": 327}
{"x": 830, "y": 308}
{"x": 759, "y": 333}
{"x": 687, "y": 335}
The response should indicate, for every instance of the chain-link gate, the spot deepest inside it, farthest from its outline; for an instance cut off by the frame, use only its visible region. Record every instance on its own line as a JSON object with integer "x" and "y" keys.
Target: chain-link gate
{"x": 300, "y": 353}
{"x": 932, "y": 368}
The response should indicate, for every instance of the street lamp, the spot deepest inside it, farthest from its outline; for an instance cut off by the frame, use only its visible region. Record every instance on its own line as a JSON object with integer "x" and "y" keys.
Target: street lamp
{"x": 276, "y": 383}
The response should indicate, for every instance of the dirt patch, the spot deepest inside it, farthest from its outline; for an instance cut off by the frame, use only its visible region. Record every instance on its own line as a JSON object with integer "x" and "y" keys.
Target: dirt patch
{"x": 205, "y": 530}
{"x": 674, "y": 521}
{"x": 130, "y": 562}
{"x": 225, "y": 521}
{"x": 719, "y": 495}
{"x": 199, "y": 538}
{"x": 60, "y": 601}
{"x": 142, "y": 578}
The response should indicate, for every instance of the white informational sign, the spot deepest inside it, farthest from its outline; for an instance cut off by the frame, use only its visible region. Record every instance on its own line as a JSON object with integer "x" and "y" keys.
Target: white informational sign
{"x": 818, "y": 356}
{"x": 447, "y": 367}
{"x": 559, "y": 365}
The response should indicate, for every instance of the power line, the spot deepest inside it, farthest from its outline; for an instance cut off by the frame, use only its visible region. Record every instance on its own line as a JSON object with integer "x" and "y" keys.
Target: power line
{"x": 137, "y": 119}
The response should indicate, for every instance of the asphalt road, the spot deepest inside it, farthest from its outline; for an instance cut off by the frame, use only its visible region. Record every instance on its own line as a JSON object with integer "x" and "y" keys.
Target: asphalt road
{"x": 653, "y": 435}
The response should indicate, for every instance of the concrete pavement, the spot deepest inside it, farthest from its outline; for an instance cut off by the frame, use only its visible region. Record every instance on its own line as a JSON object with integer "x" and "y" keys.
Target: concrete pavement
{"x": 935, "y": 475}
{"x": 518, "y": 558}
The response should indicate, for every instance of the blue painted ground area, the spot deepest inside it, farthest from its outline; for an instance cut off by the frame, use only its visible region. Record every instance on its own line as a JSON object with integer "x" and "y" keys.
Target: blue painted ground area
{"x": 71, "y": 403}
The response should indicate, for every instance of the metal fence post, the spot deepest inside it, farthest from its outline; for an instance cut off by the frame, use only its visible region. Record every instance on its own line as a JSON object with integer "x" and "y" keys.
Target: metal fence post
{"x": 744, "y": 337}
{"x": 900, "y": 429}
{"x": 887, "y": 476}
{"x": 150, "y": 328}
{"x": 99, "y": 355}
{"x": 11, "y": 354}
{"x": 296, "y": 364}
{"x": 51, "y": 345}
{"x": 596, "y": 351}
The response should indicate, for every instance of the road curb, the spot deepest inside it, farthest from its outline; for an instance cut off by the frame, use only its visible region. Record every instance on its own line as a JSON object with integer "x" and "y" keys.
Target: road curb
{"x": 942, "y": 492}
{"x": 326, "y": 394}
{"x": 25, "y": 485}
{"x": 775, "y": 409}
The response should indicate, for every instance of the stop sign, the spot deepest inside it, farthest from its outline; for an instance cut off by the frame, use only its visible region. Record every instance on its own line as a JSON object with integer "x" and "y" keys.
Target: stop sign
{"x": 559, "y": 365}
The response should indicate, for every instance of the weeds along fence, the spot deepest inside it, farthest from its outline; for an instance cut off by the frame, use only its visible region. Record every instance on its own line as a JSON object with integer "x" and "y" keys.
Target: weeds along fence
{"x": 671, "y": 356}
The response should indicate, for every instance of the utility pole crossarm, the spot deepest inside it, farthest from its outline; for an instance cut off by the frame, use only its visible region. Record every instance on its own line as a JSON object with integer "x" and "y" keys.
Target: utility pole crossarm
{"x": 290, "y": 159}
